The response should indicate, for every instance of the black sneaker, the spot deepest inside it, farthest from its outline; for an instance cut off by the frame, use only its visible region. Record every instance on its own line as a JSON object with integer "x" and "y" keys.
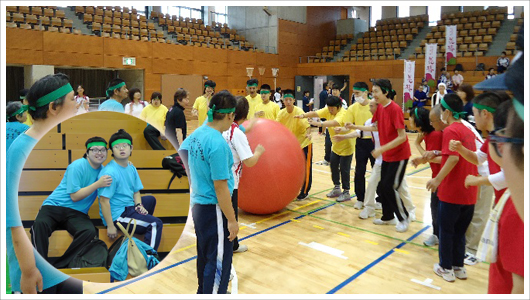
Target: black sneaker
{"x": 301, "y": 197}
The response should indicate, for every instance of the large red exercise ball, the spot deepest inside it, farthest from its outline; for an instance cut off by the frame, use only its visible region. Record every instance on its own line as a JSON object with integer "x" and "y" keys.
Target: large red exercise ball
{"x": 279, "y": 174}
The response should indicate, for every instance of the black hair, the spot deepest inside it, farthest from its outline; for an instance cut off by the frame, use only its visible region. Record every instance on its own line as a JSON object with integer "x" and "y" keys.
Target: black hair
{"x": 221, "y": 100}
{"x": 289, "y": 91}
{"x": 515, "y": 129}
{"x": 22, "y": 93}
{"x": 242, "y": 108}
{"x": 488, "y": 99}
{"x": 442, "y": 69}
{"x": 333, "y": 101}
{"x": 305, "y": 92}
{"x": 468, "y": 90}
{"x": 180, "y": 95}
{"x": 491, "y": 69}
{"x": 265, "y": 87}
{"x": 503, "y": 95}
{"x": 84, "y": 91}
{"x": 12, "y": 107}
{"x": 454, "y": 102}
{"x": 422, "y": 121}
{"x": 118, "y": 135}
{"x": 503, "y": 52}
{"x": 335, "y": 87}
{"x": 209, "y": 83}
{"x": 132, "y": 92}
{"x": 500, "y": 117}
{"x": 94, "y": 139}
{"x": 42, "y": 87}
{"x": 156, "y": 95}
{"x": 386, "y": 87}
{"x": 113, "y": 82}
{"x": 278, "y": 89}
{"x": 360, "y": 85}
{"x": 325, "y": 86}
{"x": 252, "y": 81}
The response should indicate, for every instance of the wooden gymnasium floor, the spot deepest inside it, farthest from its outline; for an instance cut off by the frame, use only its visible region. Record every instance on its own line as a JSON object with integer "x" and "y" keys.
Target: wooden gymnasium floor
{"x": 363, "y": 258}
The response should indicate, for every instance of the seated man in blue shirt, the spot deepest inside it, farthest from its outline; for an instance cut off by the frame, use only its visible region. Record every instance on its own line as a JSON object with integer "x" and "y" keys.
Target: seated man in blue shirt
{"x": 116, "y": 91}
{"x": 121, "y": 201}
{"x": 420, "y": 97}
{"x": 67, "y": 207}
{"x": 208, "y": 160}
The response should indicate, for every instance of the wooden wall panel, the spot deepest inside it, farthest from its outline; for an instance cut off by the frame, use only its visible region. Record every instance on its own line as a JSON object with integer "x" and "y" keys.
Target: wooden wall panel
{"x": 70, "y": 59}
{"x": 127, "y": 48}
{"x": 171, "y": 66}
{"x": 17, "y": 38}
{"x": 161, "y": 50}
{"x": 242, "y": 57}
{"x": 24, "y": 56}
{"x": 72, "y": 43}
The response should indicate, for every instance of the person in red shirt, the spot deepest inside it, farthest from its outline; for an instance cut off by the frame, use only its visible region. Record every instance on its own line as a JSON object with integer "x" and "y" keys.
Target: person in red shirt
{"x": 419, "y": 120}
{"x": 456, "y": 205}
{"x": 395, "y": 149}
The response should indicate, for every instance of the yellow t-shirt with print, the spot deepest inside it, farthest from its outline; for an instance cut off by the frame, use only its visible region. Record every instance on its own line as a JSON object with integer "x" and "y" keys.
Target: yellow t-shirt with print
{"x": 270, "y": 109}
{"x": 155, "y": 116}
{"x": 342, "y": 148}
{"x": 201, "y": 105}
{"x": 297, "y": 126}
{"x": 358, "y": 114}
{"x": 252, "y": 102}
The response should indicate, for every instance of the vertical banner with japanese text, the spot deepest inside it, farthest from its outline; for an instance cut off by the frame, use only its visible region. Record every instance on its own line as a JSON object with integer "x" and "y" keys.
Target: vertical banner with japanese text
{"x": 450, "y": 44}
{"x": 408, "y": 84}
{"x": 430, "y": 64}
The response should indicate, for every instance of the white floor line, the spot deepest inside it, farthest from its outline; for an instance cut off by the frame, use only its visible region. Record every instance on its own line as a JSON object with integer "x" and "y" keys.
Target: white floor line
{"x": 325, "y": 249}
{"x": 427, "y": 283}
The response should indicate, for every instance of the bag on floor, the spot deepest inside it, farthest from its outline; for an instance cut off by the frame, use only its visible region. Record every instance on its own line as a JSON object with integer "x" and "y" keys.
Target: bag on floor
{"x": 93, "y": 254}
{"x": 489, "y": 242}
{"x": 132, "y": 257}
{"x": 174, "y": 163}
{"x": 113, "y": 249}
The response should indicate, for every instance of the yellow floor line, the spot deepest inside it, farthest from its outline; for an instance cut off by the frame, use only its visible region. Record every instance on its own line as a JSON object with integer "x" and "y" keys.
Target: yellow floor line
{"x": 296, "y": 221}
{"x": 343, "y": 234}
{"x": 401, "y": 251}
{"x": 370, "y": 242}
{"x": 318, "y": 227}
{"x": 306, "y": 205}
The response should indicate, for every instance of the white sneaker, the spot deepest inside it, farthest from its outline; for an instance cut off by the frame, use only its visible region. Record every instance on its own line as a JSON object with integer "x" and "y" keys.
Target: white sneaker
{"x": 358, "y": 205}
{"x": 242, "y": 248}
{"x": 231, "y": 277}
{"x": 334, "y": 193}
{"x": 367, "y": 212}
{"x": 412, "y": 216}
{"x": 460, "y": 272}
{"x": 470, "y": 259}
{"x": 322, "y": 163}
{"x": 381, "y": 222}
{"x": 447, "y": 275}
{"x": 378, "y": 206}
{"x": 402, "y": 226}
{"x": 431, "y": 241}
{"x": 345, "y": 196}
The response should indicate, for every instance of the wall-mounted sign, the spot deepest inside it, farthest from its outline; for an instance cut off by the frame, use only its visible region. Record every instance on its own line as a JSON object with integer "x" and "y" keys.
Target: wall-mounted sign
{"x": 129, "y": 61}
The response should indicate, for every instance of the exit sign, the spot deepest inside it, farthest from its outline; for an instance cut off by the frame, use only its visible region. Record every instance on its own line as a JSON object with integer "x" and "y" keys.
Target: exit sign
{"x": 129, "y": 61}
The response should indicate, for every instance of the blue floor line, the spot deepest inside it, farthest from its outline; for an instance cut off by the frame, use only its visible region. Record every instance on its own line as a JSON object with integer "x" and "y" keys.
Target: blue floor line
{"x": 375, "y": 262}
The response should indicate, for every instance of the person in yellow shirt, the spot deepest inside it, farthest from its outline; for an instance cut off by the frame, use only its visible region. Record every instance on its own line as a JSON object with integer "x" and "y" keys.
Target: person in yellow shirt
{"x": 357, "y": 114}
{"x": 200, "y": 107}
{"x": 253, "y": 97}
{"x": 341, "y": 152}
{"x": 302, "y": 130}
{"x": 29, "y": 119}
{"x": 155, "y": 116}
{"x": 266, "y": 108}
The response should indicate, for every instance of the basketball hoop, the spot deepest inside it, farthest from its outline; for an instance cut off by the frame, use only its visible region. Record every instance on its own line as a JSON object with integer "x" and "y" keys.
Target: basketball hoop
{"x": 261, "y": 71}
{"x": 250, "y": 70}
{"x": 275, "y": 72}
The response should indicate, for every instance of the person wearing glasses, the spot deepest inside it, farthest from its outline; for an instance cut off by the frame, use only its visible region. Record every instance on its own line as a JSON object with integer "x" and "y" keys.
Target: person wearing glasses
{"x": 121, "y": 201}
{"x": 67, "y": 206}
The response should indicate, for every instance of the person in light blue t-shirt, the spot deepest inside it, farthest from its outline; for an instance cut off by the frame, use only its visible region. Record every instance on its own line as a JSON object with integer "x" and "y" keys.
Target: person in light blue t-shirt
{"x": 116, "y": 91}
{"x": 208, "y": 161}
{"x": 67, "y": 207}
{"x": 121, "y": 201}
{"x": 51, "y": 101}
{"x": 16, "y": 115}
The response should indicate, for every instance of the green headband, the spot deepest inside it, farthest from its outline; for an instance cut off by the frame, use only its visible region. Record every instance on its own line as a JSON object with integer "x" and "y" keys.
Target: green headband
{"x": 264, "y": 92}
{"x": 121, "y": 141}
{"x": 360, "y": 89}
{"x": 253, "y": 84}
{"x": 288, "y": 96}
{"x": 480, "y": 107}
{"x": 416, "y": 113}
{"x": 90, "y": 145}
{"x": 385, "y": 89}
{"x": 112, "y": 88}
{"x": 22, "y": 97}
{"x": 19, "y": 111}
{"x": 519, "y": 108}
{"x": 207, "y": 86}
{"x": 220, "y": 111}
{"x": 48, "y": 98}
{"x": 456, "y": 115}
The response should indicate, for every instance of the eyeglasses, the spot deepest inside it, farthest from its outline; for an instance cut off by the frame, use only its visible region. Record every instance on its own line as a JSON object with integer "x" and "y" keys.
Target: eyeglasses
{"x": 98, "y": 151}
{"x": 498, "y": 138}
{"x": 121, "y": 146}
